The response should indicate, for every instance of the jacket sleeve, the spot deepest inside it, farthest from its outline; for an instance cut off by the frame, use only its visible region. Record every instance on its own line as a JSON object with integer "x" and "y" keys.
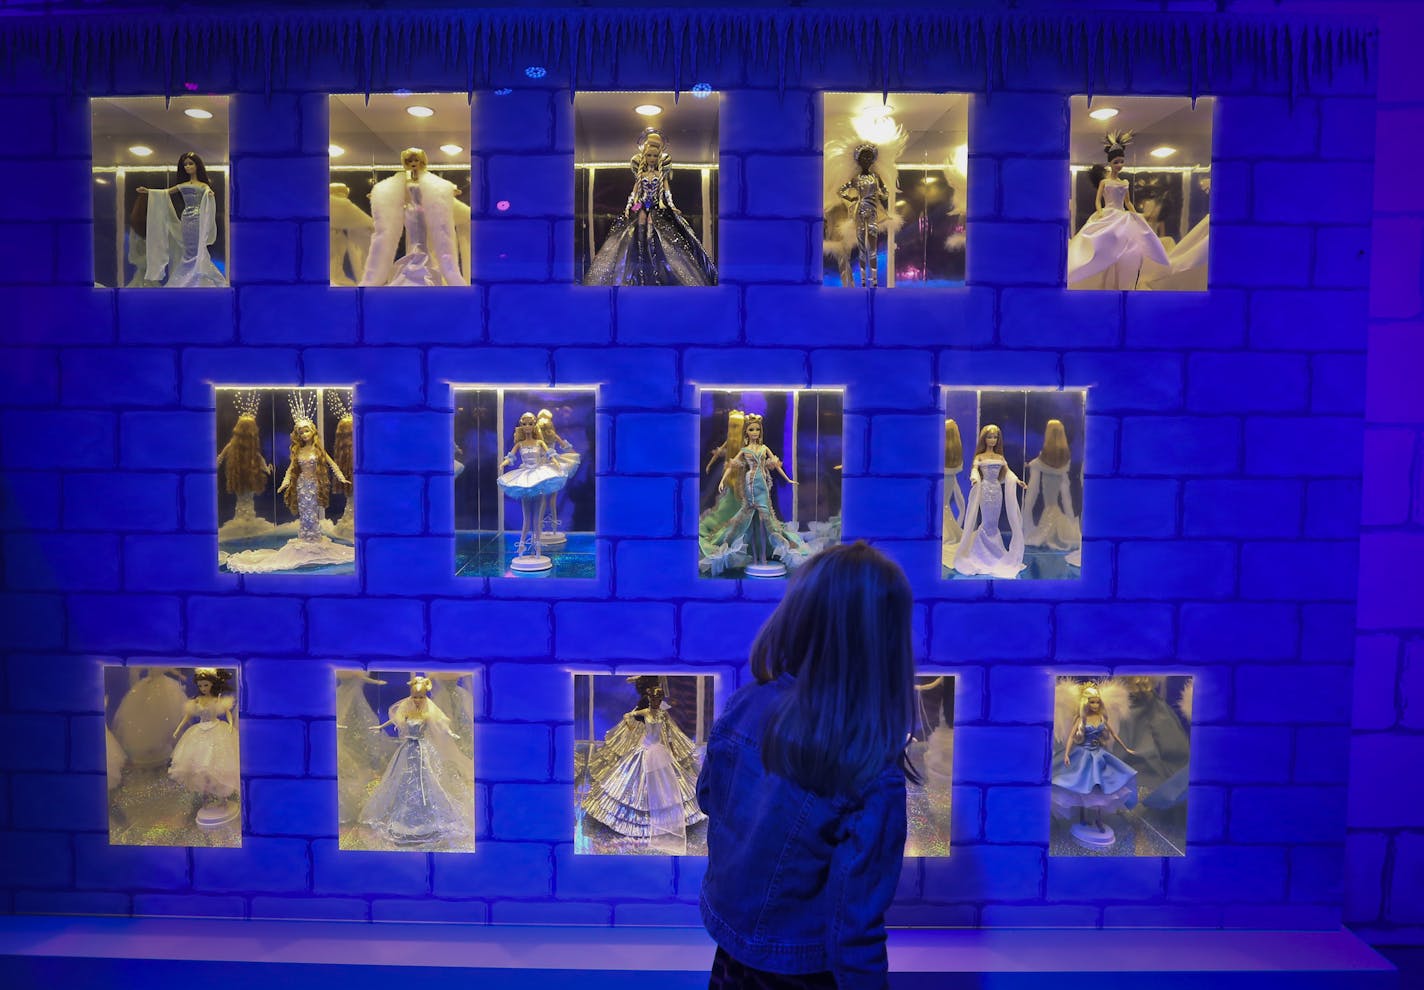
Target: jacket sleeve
{"x": 865, "y": 870}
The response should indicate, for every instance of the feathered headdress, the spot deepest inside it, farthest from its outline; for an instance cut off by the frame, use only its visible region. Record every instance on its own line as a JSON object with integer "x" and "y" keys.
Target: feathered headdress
{"x": 1115, "y": 144}
{"x": 302, "y": 403}
{"x": 843, "y": 144}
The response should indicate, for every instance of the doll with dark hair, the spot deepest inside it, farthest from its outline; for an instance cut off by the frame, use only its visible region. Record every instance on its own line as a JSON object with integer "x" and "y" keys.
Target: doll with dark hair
{"x": 1108, "y": 252}
{"x": 205, "y": 760}
{"x": 860, "y": 177}
{"x": 868, "y": 198}
{"x": 177, "y": 243}
{"x": 245, "y": 471}
{"x": 651, "y": 243}
{"x": 642, "y": 782}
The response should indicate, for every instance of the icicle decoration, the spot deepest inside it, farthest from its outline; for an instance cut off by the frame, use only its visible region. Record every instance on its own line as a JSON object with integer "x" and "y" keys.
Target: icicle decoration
{"x": 381, "y": 49}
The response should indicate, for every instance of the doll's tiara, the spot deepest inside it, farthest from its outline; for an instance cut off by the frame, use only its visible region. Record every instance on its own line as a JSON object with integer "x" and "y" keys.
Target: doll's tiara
{"x": 302, "y": 402}
{"x": 247, "y": 402}
{"x": 338, "y": 402}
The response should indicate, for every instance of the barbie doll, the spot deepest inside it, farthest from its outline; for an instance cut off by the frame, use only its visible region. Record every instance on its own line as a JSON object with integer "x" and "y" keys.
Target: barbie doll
{"x": 532, "y": 482}
{"x": 205, "y": 759}
{"x": 993, "y": 491}
{"x": 177, "y": 244}
{"x": 1107, "y": 253}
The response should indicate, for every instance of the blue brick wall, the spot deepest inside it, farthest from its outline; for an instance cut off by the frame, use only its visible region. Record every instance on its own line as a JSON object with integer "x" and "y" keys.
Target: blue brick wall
{"x": 1205, "y": 469}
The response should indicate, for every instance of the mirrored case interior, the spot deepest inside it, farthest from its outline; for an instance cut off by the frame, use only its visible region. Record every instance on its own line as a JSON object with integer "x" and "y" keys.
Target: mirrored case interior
{"x": 1121, "y": 751}
{"x": 639, "y": 742}
{"x": 645, "y": 188}
{"x": 399, "y": 189}
{"x": 160, "y": 175}
{"x": 931, "y": 754}
{"x": 405, "y": 760}
{"x": 1013, "y": 483}
{"x": 286, "y": 480}
{"x": 524, "y": 481}
{"x": 1141, "y": 193}
{"x": 171, "y": 743}
{"x": 770, "y": 490}
{"x": 895, "y": 189}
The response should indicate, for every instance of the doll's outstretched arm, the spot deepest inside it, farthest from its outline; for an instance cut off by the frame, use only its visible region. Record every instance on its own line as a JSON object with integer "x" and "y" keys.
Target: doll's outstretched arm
{"x": 717, "y": 455}
{"x": 287, "y": 479}
{"x": 331, "y": 463}
{"x": 1117, "y": 738}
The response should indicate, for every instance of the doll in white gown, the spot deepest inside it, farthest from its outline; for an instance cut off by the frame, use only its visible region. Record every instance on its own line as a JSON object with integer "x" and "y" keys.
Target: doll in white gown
{"x": 423, "y": 206}
{"x": 421, "y": 801}
{"x": 351, "y": 229}
{"x": 147, "y": 714}
{"x": 361, "y": 751}
{"x": 1057, "y": 526}
{"x": 205, "y": 761}
{"x": 1109, "y": 250}
{"x": 954, "y": 506}
{"x": 177, "y": 243}
{"x": 993, "y": 493}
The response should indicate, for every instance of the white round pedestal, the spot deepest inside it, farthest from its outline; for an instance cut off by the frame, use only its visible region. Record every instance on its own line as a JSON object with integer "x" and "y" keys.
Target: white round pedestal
{"x": 768, "y": 570}
{"x": 555, "y": 539}
{"x": 531, "y": 563}
{"x": 1092, "y": 837}
{"x": 213, "y": 815}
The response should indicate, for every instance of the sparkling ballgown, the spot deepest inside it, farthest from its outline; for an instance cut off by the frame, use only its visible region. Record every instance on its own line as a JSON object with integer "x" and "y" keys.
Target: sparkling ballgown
{"x": 1108, "y": 252}
{"x": 361, "y": 751}
{"x": 756, "y": 517}
{"x": 981, "y": 550}
{"x": 652, "y": 244}
{"x": 179, "y": 243}
{"x": 1093, "y": 778}
{"x": 419, "y": 799}
{"x": 643, "y": 779}
{"x": 205, "y": 759}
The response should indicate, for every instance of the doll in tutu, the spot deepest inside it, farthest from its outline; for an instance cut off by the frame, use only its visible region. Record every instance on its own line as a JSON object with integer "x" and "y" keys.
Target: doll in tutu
{"x": 205, "y": 758}
{"x": 532, "y": 482}
{"x": 1089, "y": 775}
{"x": 562, "y": 456}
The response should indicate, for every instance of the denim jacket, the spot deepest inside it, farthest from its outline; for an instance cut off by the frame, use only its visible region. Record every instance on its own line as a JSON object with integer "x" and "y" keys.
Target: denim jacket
{"x": 795, "y": 883}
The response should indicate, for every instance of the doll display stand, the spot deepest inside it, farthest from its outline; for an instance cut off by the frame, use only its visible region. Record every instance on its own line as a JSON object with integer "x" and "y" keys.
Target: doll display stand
{"x": 531, "y": 563}
{"x": 771, "y": 569}
{"x": 1093, "y": 836}
{"x": 177, "y": 953}
{"x": 552, "y": 538}
{"x": 217, "y": 813}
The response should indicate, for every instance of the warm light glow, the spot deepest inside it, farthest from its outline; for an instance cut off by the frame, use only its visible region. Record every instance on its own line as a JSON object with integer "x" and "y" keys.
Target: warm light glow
{"x": 416, "y": 110}
{"x": 335, "y": 150}
{"x": 876, "y": 124}
{"x": 1103, "y": 113}
{"x": 142, "y": 150}
{"x": 961, "y": 159}
{"x": 451, "y": 149}
{"x": 198, "y": 114}
{"x": 648, "y": 109}
{"x": 101, "y": 180}
{"x": 1163, "y": 151}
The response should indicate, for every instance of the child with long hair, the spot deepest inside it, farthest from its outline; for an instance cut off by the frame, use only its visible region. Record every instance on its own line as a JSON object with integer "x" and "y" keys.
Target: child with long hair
{"x": 804, "y": 782}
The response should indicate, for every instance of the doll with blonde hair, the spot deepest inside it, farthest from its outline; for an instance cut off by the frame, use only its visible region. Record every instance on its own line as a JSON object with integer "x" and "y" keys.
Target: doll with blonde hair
{"x": 1057, "y": 526}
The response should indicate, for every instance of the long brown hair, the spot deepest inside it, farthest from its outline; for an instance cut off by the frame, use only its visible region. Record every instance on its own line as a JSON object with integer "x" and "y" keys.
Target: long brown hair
{"x": 843, "y": 631}
{"x": 982, "y": 446}
{"x": 245, "y": 466}
{"x": 322, "y": 469}
{"x": 343, "y": 450}
{"x": 953, "y": 446}
{"x": 1055, "y": 445}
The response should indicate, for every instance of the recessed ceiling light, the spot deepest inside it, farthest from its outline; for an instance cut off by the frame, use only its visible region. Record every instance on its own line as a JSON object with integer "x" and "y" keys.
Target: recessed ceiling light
{"x": 648, "y": 109}
{"x": 1103, "y": 113}
{"x": 101, "y": 180}
{"x": 536, "y": 71}
{"x": 416, "y": 110}
{"x": 198, "y": 114}
{"x": 402, "y": 92}
{"x": 451, "y": 149}
{"x": 1162, "y": 151}
{"x": 142, "y": 150}
{"x": 335, "y": 150}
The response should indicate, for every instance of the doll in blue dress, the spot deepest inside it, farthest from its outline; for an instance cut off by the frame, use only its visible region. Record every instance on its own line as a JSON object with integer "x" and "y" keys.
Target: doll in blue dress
{"x": 1089, "y": 776}
{"x": 533, "y": 481}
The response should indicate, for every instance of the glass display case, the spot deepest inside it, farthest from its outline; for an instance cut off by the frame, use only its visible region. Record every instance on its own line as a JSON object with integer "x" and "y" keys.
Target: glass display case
{"x": 771, "y": 479}
{"x": 160, "y": 174}
{"x": 405, "y": 760}
{"x": 645, "y": 188}
{"x": 1121, "y": 750}
{"x": 1141, "y": 192}
{"x": 400, "y": 189}
{"x": 286, "y": 480}
{"x": 1013, "y": 483}
{"x": 524, "y": 481}
{"x": 895, "y": 188}
{"x": 174, "y": 766}
{"x": 639, "y": 742}
{"x": 932, "y": 756}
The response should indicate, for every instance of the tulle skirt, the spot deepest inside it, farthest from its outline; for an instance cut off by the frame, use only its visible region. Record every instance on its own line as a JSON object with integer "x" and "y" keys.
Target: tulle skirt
{"x": 664, "y": 251}
{"x": 1113, "y": 239}
{"x": 1093, "y": 778}
{"x": 532, "y": 482}
{"x": 205, "y": 759}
